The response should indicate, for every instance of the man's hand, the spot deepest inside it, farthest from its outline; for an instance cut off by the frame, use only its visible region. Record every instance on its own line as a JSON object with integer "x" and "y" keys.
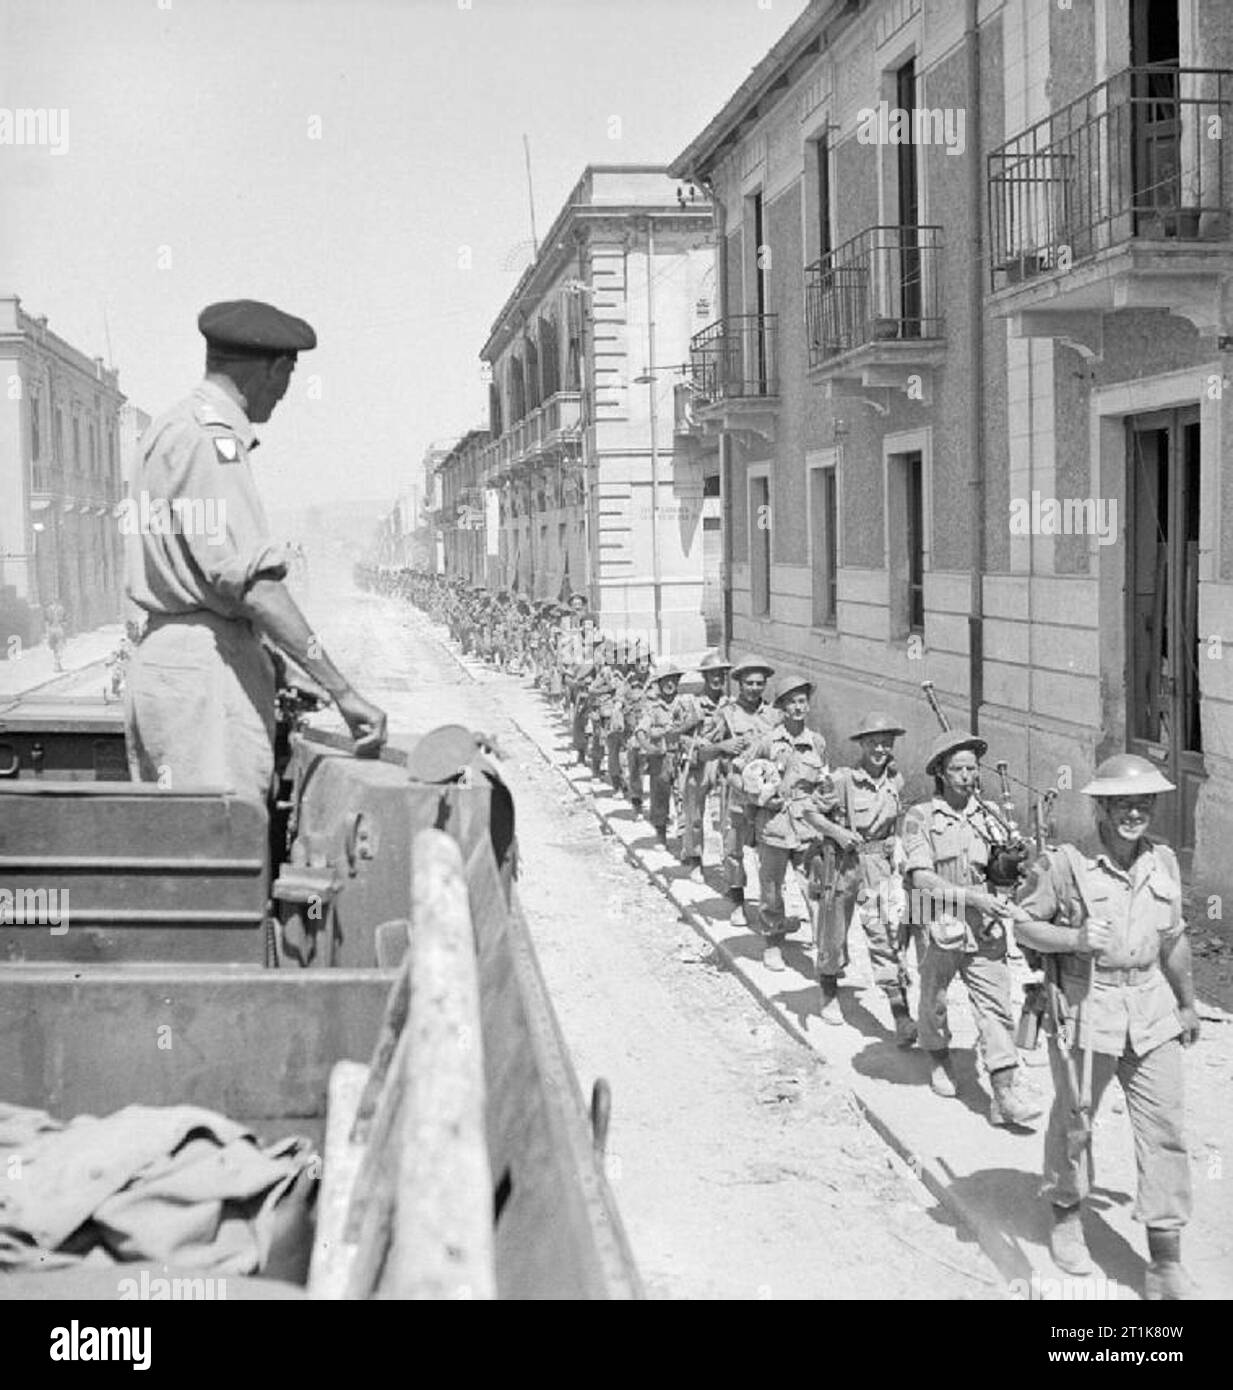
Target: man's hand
{"x": 366, "y": 722}
{"x": 1095, "y": 937}
{"x": 1190, "y": 1024}
{"x": 846, "y": 839}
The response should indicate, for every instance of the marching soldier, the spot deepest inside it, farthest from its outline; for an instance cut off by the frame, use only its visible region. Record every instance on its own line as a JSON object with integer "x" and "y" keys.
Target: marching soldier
{"x": 601, "y": 705}
{"x": 864, "y": 874}
{"x": 658, "y": 738}
{"x": 1108, "y": 913}
{"x": 737, "y": 724}
{"x": 785, "y": 774}
{"x": 697, "y": 775}
{"x": 947, "y": 843}
{"x": 633, "y": 697}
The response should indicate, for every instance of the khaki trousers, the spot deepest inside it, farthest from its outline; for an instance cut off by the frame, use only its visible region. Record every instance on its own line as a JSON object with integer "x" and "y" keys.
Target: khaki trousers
{"x": 199, "y": 707}
{"x": 1153, "y": 1086}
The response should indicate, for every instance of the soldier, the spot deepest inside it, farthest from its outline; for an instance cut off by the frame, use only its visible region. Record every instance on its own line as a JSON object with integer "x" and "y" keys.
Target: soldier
{"x": 867, "y": 861}
{"x": 785, "y": 773}
{"x": 697, "y": 774}
{"x": 601, "y": 706}
{"x": 737, "y": 723}
{"x": 1108, "y": 912}
{"x": 658, "y": 737}
{"x": 200, "y": 699}
{"x": 578, "y": 673}
{"x": 633, "y": 696}
{"x": 947, "y": 843}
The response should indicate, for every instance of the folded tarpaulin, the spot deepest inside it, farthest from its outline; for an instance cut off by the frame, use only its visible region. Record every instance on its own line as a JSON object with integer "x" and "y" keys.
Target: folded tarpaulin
{"x": 177, "y": 1184}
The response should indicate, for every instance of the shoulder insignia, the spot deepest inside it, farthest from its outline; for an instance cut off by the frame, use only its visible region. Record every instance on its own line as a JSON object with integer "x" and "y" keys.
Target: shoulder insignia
{"x": 227, "y": 448}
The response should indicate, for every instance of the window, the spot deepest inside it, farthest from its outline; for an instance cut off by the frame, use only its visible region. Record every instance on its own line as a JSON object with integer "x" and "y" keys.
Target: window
{"x": 822, "y": 158}
{"x": 823, "y": 545}
{"x": 760, "y": 544}
{"x": 76, "y": 443}
{"x": 916, "y": 542}
{"x": 36, "y": 443}
{"x": 906, "y": 521}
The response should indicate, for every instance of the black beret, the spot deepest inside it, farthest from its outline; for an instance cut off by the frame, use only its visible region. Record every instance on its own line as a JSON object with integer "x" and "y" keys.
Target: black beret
{"x": 246, "y": 326}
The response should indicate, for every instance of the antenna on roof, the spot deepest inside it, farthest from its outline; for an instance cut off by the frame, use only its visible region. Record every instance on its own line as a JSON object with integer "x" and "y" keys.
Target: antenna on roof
{"x": 526, "y": 149}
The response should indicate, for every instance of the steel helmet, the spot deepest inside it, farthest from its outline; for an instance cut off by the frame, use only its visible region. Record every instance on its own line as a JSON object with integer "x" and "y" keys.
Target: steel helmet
{"x": 748, "y": 664}
{"x": 946, "y": 744}
{"x": 877, "y": 723}
{"x": 712, "y": 661}
{"x": 662, "y": 673}
{"x": 1126, "y": 774}
{"x": 788, "y": 685}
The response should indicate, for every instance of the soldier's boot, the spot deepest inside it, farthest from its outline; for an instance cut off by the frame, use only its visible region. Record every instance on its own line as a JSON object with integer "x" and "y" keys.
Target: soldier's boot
{"x": 830, "y": 1011}
{"x": 941, "y": 1074}
{"x": 772, "y": 955}
{"x": 1167, "y": 1281}
{"x": 1066, "y": 1242}
{"x": 1008, "y": 1105}
{"x": 695, "y": 869}
{"x": 738, "y": 918}
{"x": 905, "y": 1029}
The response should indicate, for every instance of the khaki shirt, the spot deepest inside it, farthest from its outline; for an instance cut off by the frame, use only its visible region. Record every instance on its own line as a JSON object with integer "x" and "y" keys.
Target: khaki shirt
{"x": 955, "y": 846}
{"x": 805, "y": 785}
{"x": 732, "y": 720}
{"x": 1143, "y": 905}
{"x": 869, "y": 805}
{"x": 196, "y": 535}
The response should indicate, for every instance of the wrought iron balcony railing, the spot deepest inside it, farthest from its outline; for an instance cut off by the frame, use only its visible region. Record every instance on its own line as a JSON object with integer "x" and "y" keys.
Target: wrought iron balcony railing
{"x": 734, "y": 358}
{"x": 882, "y": 285}
{"x": 1142, "y": 155}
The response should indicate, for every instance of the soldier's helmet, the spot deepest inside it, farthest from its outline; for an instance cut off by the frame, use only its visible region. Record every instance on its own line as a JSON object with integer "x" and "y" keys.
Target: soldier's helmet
{"x": 1126, "y": 774}
{"x": 748, "y": 664}
{"x": 712, "y": 661}
{"x": 953, "y": 742}
{"x": 789, "y": 685}
{"x": 876, "y": 722}
{"x": 663, "y": 673}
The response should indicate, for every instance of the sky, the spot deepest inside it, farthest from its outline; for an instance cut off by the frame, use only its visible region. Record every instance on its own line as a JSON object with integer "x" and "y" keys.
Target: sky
{"x": 332, "y": 157}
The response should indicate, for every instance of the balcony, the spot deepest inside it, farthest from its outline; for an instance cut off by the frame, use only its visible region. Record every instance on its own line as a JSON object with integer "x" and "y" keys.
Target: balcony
{"x": 562, "y": 418}
{"x": 873, "y": 308}
{"x": 734, "y": 375}
{"x": 1119, "y": 200}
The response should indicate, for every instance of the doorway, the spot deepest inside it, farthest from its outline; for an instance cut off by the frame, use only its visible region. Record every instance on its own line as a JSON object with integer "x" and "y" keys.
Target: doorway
{"x": 1162, "y": 591}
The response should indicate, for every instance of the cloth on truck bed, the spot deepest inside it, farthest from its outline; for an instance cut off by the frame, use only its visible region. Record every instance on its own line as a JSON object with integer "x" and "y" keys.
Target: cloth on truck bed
{"x": 177, "y": 1184}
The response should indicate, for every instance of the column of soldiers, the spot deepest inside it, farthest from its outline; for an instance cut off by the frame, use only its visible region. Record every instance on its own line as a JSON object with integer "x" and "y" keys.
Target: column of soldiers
{"x": 1101, "y": 920}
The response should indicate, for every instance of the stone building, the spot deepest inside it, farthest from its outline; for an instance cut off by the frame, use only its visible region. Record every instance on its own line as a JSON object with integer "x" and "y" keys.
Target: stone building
{"x": 61, "y": 478}
{"x": 597, "y": 487}
{"x": 971, "y": 378}
{"x": 464, "y": 514}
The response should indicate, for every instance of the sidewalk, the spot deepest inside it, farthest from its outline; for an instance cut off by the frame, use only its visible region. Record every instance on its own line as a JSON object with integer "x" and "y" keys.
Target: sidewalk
{"x": 988, "y": 1178}
{"x": 35, "y": 666}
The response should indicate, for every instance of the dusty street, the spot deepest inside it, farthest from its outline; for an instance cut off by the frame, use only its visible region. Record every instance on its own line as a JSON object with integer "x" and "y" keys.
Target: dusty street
{"x": 741, "y": 1167}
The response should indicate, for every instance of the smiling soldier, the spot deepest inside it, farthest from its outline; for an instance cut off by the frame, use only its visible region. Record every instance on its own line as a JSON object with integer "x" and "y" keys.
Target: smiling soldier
{"x": 1110, "y": 913}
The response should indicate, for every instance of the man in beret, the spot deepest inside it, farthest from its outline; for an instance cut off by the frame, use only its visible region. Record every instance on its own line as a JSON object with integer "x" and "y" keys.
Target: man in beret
{"x": 200, "y": 704}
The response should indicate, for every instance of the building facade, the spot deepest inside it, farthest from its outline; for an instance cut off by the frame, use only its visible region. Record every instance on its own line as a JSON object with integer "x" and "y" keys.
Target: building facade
{"x": 970, "y": 379}
{"x": 470, "y": 551}
{"x": 591, "y": 484}
{"x": 60, "y": 480}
